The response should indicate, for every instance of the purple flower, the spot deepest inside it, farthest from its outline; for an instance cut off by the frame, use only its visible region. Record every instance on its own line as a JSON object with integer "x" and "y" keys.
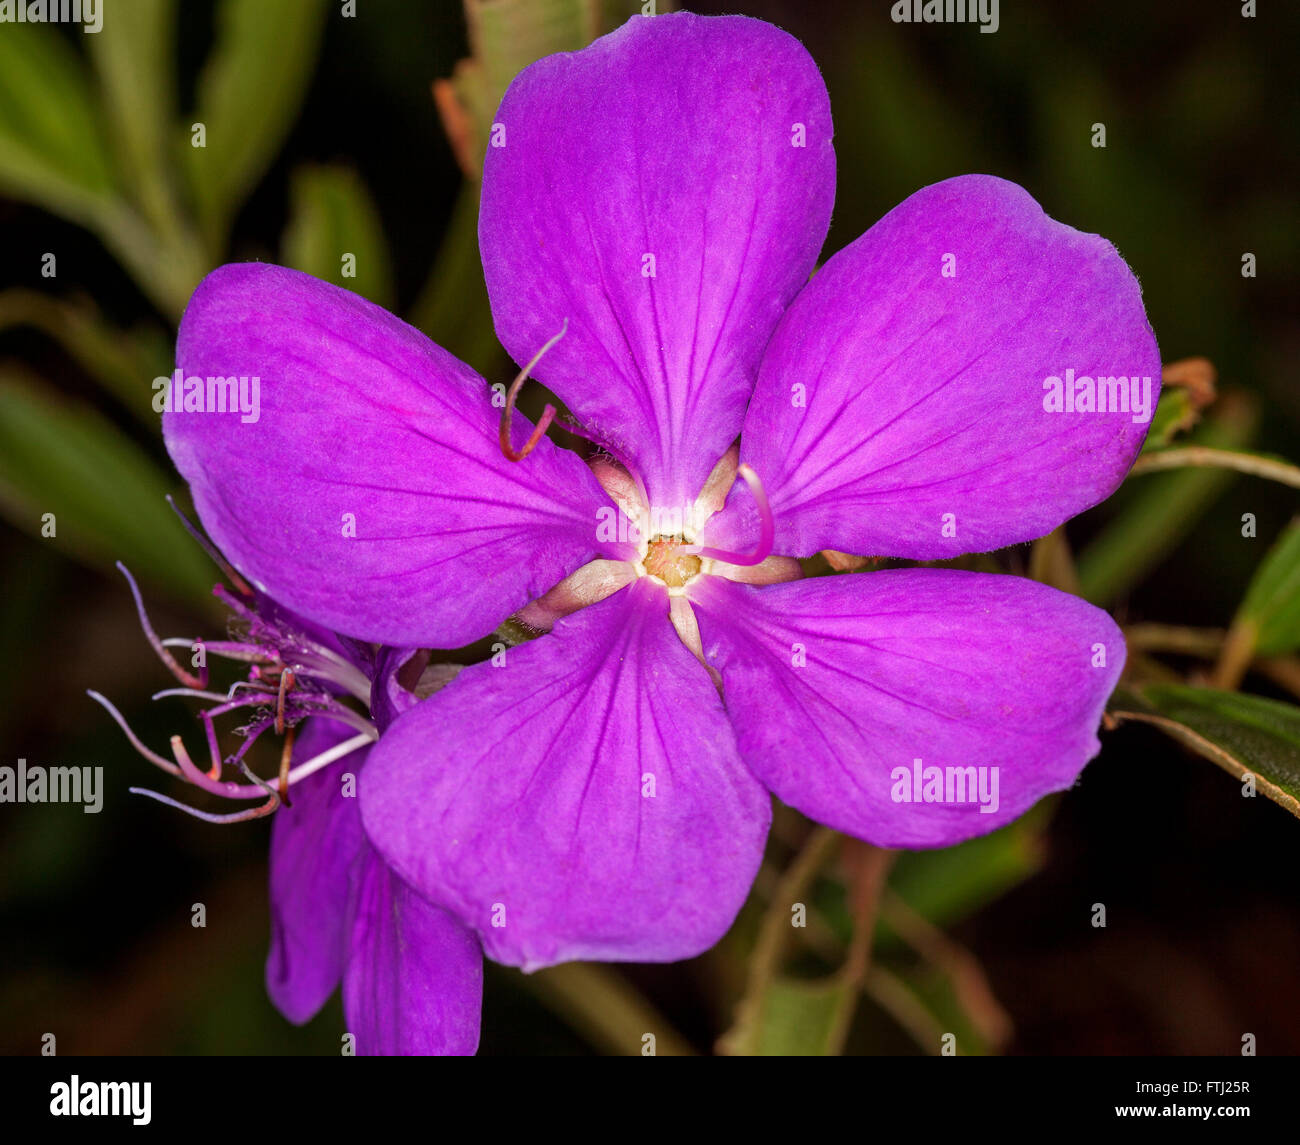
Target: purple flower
{"x": 660, "y": 199}
{"x": 412, "y": 975}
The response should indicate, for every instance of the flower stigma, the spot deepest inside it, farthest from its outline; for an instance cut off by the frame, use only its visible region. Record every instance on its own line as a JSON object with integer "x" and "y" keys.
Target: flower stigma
{"x": 667, "y": 560}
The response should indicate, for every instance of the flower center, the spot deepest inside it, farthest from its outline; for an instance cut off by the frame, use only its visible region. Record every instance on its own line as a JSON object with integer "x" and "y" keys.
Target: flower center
{"x": 665, "y": 561}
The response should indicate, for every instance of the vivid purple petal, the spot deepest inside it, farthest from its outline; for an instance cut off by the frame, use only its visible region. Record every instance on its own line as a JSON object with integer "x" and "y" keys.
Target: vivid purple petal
{"x": 835, "y": 682}
{"x": 704, "y": 142}
{"x": 315, "y": 842}
{"x": 365, "y": 427}
{"x": 414, "y": 977}
{"x": 403, "y": 677}
{"x": 582, "y": 801}
{"x": 389, "y": 697}
{"x": 900, "y": 412}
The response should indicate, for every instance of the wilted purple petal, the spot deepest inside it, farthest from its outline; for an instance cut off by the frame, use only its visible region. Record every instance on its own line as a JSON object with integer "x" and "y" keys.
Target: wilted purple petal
{"x": 834, "y": 683}
{"x": 900, "y": 406}
{"x": 370, "y": 493}
{"x": 389, "y": 698}
{"x": 414, "y": 977}
{"x": 404, "y": 677}
{"x": 667, "y": 191}
{"x": 315, "y": 842}
{"x": 582, "y": 801}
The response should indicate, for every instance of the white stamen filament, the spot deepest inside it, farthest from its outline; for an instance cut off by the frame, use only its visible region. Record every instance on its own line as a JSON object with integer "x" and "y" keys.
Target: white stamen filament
{"x": 340, "y": 671}
{"x": 323, "y": 660}
{"x": 193, "y": 693}
{"x": 338, "y": 751}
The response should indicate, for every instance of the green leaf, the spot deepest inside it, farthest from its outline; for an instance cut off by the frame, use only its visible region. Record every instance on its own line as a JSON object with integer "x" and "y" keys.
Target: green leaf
{"x": 1272, "y": 602}
{"x": 249, "y": 93}
{"x": 950, "y": 884}
{"x": 133, "y": 56}
{"x": 106, "y": 495}
{"x": 799, "y": 1018}
{"x": 452, "y": 307}
{"x": 53, "y": 150}
{"x": 1157, "y": 513}
{"x": 1175, "y": 413}
{"x": 333, "y": 217}
{"x": 505, "y": 37}
{"x": 509, "y": 35}
{"x": 1243, "y": 734}
{"x": 936, "y": 992}
{"x": 122, "y": 362}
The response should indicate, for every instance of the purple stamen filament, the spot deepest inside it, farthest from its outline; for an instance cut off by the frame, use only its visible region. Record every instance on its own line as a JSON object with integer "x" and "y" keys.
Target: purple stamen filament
{"x": 270, "y": 685}
{"x": 187, "y": 678}
{"x": 286, "y": 754}
{"x": 217, "y": 559}
{"x": 255, "y": 788}
{"x": 512, "y": 393}
{"x": 766, "y": 536}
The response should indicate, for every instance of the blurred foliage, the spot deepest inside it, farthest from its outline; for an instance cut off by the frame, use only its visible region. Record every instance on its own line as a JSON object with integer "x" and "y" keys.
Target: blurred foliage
{"x": 66, "y": 473}
{"x": 1250, "y": 737}
{"x": 333, "y": 223}
{"x": 352, "y": 147}
{"x": 1271, "y": 608}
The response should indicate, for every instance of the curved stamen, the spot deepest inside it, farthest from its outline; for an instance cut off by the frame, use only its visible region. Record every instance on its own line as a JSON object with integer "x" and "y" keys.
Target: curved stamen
{"x": 191, "y": 693}
{"x": 338, "y": 751}
{"x": 207, "y": 816}
{"x": 214, "y": 749}
{"x": 217, "y": 559}
{"x": 271, "y": 805}
{"x": 187, "y": 678}
{"x": 286, "y": 754}
{"x": 766, "y": 536}
{"x": 224, "y": 788}
{"x": 288, "y": 779}
{"x": 251, "y": 735}
{"x": 308, "y": 653}
{"x": 228, "y": 650}
{"x": 513, "y": 392}
{"x": 286, "y": 682}
{"x": 262, "y": 693}
{"x": 224, "y": 704}
{"x": 151, "y": 756}
{"x": 327, "y": 663}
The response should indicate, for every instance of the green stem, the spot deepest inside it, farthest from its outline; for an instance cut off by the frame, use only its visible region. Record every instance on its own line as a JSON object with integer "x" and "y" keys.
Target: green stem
{"x": 1201, "y": 456}
{"x": 599, "y": 1003}
{"x": 765, "y": 961}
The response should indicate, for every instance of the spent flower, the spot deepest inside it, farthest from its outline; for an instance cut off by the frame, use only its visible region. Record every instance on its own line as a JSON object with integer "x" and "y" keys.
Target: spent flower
{"x": 411, "y": 973}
